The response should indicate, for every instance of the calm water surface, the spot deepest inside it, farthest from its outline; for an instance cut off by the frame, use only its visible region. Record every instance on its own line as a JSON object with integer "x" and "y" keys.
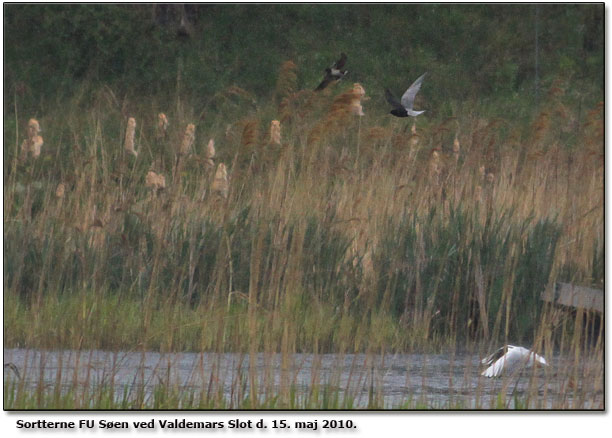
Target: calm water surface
{"x": 403, "y": 380}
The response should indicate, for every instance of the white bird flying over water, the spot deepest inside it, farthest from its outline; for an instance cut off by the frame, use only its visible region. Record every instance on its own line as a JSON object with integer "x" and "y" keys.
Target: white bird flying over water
{"x": 510, "y": 358}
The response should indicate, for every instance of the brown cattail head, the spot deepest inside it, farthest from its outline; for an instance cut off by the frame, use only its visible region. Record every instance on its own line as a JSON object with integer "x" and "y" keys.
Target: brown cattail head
{"x": 210, "y": 154}
{"x": 188, "y": 139}
{"x": 220, "y": 185}
{"x": 162, "y": 125}
{"x": 129, "y": 137}
{"x": 33, "y": 128}
{"x": 155, "y": 181}
{"x": 358, "y": 90}
{"x": 34, "y": 142}
{"x": 358, "y": 94}
{"x": 275, "y": 132}
{"x": 434, "y": 164}
{"x": 456, "y": 145}
{"x": 456, "y": 148}
{"x": 482, "y": 171}
{"x": 210, "y": 148}
{"x": 60, "y": 190}
{"x": 343, "y": 106}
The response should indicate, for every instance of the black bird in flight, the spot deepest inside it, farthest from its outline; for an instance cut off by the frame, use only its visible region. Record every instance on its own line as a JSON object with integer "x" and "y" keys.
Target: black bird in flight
{"x": 403, "y": 108}
{"x": 333, "y": 73}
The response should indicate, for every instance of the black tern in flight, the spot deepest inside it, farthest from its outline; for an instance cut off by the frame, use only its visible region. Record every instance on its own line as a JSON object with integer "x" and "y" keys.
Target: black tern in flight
{"x": 333, "y": 73}
{"x": 404, "y": 108}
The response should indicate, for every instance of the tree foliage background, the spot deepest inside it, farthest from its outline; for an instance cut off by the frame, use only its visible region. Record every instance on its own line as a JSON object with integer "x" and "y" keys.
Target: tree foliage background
{"x": 471, "y": 51}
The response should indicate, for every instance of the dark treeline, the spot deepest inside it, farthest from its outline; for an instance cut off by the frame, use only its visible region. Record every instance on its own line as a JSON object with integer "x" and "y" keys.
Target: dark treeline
{"x": 469, "y": 50}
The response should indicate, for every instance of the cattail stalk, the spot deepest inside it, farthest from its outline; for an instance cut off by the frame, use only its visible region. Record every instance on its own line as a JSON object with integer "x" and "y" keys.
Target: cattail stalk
{"x": 162, "y": 125}
{"x": 456, "y": 149}
{"x": 129, "y": 137}
{"x": 188, "y": 139}
{"x": 275, "y": 132}
{"x": 210, "y": 153}
{"x": 33, "y": 144}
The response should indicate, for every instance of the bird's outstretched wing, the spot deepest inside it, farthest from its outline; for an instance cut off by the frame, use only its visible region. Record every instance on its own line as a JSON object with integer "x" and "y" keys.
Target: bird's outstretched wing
{"x": 411, "y": 92}
{"x": 340, "y": 63}
{"x": 393, "y": 100}
{"x": 493, "y": 357}
{"x": 324, "y": 83}
{"x": 496, "y": 369}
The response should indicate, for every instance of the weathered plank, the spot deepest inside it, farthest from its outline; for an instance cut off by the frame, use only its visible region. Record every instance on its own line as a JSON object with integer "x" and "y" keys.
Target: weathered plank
{"x": 579, "y": 297}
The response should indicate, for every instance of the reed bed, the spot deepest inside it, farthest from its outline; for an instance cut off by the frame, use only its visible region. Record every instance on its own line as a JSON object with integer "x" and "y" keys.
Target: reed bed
{"x": 348, "y": 233}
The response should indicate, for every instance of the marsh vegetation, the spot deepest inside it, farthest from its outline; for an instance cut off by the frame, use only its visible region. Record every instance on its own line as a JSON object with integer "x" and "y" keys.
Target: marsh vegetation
{"x": 324, "y": 232}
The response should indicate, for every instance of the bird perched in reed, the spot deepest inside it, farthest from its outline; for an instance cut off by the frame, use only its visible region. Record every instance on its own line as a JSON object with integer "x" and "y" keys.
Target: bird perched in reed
{"x": 509, "y": 359}
{"x": 404, "y": 107}
{"x": 333, "y": 73}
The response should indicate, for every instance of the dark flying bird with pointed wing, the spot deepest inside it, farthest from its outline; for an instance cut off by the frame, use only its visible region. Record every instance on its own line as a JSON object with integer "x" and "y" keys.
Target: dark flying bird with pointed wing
{"x": 333, "y": 73}
{"x": 404, "y": 108}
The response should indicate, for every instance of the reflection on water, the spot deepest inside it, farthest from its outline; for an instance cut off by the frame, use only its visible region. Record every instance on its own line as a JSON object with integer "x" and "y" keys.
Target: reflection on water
{"x": 404, "y": 380}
